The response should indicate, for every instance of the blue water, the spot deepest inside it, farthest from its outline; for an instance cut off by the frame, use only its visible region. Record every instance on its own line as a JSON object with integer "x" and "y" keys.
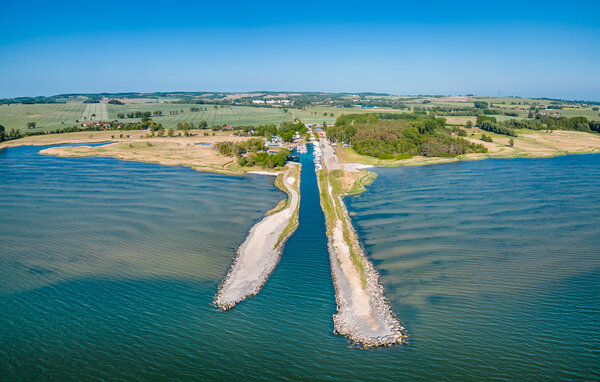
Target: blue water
{"x": 108, "y": 270}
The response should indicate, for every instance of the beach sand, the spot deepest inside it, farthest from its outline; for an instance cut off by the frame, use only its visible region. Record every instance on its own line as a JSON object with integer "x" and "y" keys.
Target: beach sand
{"x": 259, "y": 254}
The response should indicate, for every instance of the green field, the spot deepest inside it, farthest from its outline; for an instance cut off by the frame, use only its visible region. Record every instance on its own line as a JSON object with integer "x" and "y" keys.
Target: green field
{"x": 226, "y": 115}
{"x": 46, "y": 116}
{"x": 317, "y": 114}
{"x": 55, "y": 116}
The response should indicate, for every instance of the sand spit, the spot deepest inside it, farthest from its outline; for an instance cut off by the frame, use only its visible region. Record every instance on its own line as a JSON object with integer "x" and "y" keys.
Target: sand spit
{"x": 363, "y": 313}
{"x": 257, "y": 257}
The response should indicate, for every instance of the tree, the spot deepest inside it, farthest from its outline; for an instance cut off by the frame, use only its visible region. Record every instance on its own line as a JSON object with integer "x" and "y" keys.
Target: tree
{"x": 203, "y": 124}
{"x": 2, "y": 134}
{"x": 511, "y": 142}
{"x": 161, "y": 132}
{"x": 480, "y": 105}
{"x": 31, "y": 125}
{"x": 171, "y": 132}
{"x": 483, "y": 118}
{"x": 469, "y": 125}
{"x": 486, "y": 138}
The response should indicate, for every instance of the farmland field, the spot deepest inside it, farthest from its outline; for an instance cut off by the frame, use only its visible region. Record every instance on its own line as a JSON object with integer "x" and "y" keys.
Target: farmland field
{"x": 588, "y": 113}
{"x": 95, "y": 112}
{"x": 45, "y": 116}
{"x": 55, "y": 116}
{"x": 229, "y": 115}
{"x": 317, "y": 114}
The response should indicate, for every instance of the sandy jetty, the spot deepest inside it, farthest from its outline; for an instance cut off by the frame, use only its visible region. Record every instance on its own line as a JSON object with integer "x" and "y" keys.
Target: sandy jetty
{"x": 259, "y": 254}
{"x": 363, "y": 313}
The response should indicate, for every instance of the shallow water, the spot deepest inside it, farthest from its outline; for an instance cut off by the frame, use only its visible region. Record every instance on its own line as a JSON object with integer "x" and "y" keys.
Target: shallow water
{"x": 108, "y": 270}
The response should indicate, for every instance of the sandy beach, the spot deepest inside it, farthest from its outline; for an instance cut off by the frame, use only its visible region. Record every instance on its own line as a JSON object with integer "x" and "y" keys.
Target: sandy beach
{"x": 257, "y": 257}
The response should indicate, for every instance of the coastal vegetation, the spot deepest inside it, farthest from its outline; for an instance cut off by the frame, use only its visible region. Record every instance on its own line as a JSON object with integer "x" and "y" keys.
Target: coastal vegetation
{"x": 197, "y": 151}
{"x": 252, "y": 153}
{"x": 286, "y": 130}
{"x": 280, "y": 184}
{"x": 398, "y": 136}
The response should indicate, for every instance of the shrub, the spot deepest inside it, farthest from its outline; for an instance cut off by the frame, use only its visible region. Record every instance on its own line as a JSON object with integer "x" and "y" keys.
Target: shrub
{"x": 486, "y": 138}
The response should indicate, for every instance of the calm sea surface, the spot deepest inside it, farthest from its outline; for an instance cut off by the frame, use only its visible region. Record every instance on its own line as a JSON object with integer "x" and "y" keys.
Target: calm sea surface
{"x": 108, "y": 270}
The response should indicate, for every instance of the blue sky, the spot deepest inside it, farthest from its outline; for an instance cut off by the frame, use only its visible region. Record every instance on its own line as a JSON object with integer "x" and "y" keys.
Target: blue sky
{"x": 526, "y": 48}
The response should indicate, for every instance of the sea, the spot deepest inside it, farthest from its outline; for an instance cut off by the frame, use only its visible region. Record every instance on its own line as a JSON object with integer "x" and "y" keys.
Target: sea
{"x": 108, "y": 270}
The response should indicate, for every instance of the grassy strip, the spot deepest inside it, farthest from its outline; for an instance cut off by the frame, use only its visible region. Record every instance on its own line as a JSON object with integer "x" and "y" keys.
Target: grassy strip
{"x": 326, "y": 202}
{"x": 284, "y": 202}
{"x": 331, "y": 205}
{"x": 293, "y": 224}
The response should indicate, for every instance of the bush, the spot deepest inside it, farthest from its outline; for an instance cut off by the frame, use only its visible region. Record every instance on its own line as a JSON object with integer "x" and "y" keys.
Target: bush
{"x": 486, "y": 138}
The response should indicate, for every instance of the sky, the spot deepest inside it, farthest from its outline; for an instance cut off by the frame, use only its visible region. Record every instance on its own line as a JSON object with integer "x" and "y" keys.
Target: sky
{"x": 521, "y": 48}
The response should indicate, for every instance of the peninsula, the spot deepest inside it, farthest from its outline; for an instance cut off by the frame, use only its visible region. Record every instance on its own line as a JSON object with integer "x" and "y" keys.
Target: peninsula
{"x": 259, "y": 254}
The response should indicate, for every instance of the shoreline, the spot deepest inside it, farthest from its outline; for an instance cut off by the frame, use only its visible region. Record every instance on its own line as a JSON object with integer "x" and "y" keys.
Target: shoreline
{"x": 259, "y": 254}
{"x": 528, "y": 145}
{"x": 161, "y": 152}
{"x": 364, "y": 315}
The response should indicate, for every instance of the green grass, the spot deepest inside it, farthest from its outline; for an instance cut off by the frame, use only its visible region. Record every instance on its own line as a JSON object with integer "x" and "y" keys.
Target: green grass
{"x": 294, "y": 222}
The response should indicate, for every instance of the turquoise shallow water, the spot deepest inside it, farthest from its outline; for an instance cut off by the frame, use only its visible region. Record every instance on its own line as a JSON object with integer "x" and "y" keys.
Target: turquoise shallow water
{"x": 108, "y": 270}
